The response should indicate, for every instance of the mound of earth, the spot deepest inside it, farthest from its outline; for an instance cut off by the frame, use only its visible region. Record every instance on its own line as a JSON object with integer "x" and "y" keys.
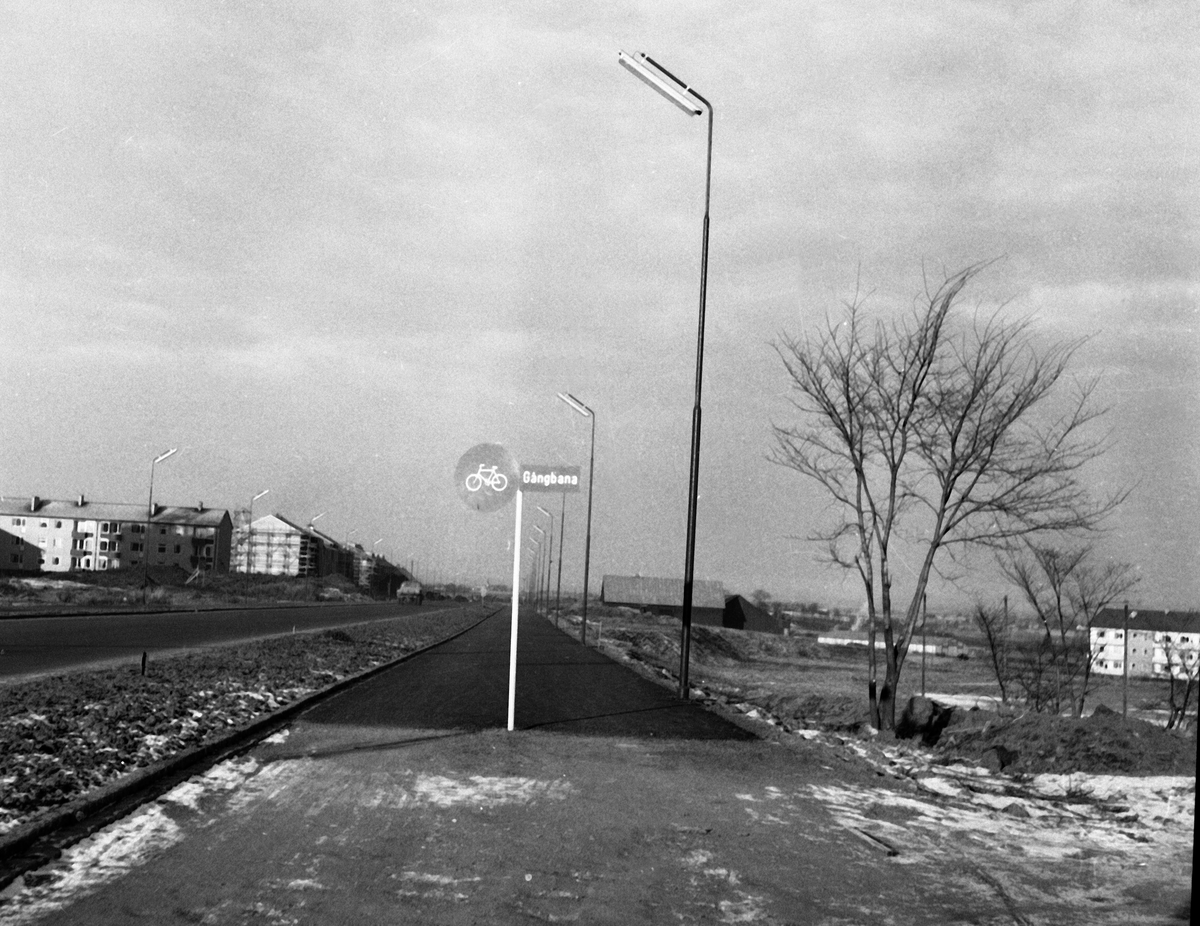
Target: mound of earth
{"x": 1103, "y": 743}
{"x": 840, "y": 713}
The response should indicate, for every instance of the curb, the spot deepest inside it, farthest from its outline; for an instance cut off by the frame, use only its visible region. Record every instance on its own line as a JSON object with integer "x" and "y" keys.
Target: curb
{"x": 33, "y": 845}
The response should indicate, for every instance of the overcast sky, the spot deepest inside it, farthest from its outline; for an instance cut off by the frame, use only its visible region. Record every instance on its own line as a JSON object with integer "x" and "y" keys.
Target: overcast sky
{"x": 326, "y": 248}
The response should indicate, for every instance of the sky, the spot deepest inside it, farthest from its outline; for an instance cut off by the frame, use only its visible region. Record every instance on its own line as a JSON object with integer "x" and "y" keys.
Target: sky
{"x": 325, "y": 249}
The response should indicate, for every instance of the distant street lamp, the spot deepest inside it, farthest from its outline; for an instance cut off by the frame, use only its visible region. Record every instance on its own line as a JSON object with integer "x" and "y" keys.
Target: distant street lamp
{"x": 308, "y": 565}
{"x": 550, "y": 549}
{"x": 686, "y": 98}
{"x": 534, "y": 550}
{"x": 250, "y": 529}
{"x": 587, "y": 544}
{"x": 149, "y": 516}
{"x": 541, "y": 559}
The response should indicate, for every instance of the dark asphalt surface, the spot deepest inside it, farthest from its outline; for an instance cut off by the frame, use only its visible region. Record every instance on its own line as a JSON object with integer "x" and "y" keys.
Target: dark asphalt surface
{"x": 562, "y": 686}
{"x": 35, "y": 645}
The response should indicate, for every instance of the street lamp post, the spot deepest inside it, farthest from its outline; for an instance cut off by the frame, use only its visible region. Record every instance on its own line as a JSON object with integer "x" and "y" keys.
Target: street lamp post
{"x": 535, "y": 550}
{"x": 250, "y": 530}
{"x": 587, "y": 543}
{"x": 537, "y": 601}
{"x": 149, "y": 516}
{"x": 308, "y": 566}
{"x": 562, "y": 518}
{"x": 686, "y": 98}
{"x": 550, "y": 560}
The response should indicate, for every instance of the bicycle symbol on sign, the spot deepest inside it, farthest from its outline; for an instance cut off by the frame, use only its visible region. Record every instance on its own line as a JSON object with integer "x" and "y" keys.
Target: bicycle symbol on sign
{"x": 487, "y": 476}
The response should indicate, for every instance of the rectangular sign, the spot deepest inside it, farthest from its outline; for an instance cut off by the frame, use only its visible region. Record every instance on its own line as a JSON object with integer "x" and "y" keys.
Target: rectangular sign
{"x": 538, "y": 478}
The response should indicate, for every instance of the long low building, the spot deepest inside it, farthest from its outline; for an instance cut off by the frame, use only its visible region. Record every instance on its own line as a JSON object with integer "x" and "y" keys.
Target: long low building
{"x": 711, "y": 606}
{"x": 51, "y": 535}
{"x": 665, "y": 597}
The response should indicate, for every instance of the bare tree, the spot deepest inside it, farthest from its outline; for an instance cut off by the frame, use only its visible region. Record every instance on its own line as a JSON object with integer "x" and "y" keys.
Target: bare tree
{"x": 1067, "y": 589}
{"x": 997, "y": 631}
{"x": 1183, "y": 672}
{"x": 934, "y": 434}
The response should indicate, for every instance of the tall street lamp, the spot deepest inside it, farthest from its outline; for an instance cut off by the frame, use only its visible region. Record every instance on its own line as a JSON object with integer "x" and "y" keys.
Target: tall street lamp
{"x": 149, "y": 516}
{"x": 587, "y": 543}
{"x": 250, "y": 529}
{"x": 686, "y": 98}
{"x": 562, "y": 518}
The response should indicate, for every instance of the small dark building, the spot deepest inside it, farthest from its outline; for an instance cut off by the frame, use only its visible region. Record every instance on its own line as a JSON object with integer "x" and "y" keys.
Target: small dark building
{"x": 741, "y": 614}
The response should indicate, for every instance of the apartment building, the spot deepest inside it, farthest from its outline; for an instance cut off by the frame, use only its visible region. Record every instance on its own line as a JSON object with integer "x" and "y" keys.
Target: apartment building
{"x": 1159, "y": 642}
{"x": 275, "y": 546}
{"x": 51, "y": 535}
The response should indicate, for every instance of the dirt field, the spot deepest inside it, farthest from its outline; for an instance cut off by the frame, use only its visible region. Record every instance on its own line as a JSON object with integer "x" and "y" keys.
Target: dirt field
{"x": 799, "y": 683}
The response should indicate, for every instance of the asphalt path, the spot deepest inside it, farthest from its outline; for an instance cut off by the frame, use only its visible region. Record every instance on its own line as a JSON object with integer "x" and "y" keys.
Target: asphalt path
{"x": 562, "y": 686}
{"x": 39, "y": 645}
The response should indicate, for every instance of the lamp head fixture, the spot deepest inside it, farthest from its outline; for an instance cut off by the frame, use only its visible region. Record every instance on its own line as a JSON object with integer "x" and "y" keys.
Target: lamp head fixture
{"x": 645, "y": 70}
{"x": 575, "y": 404}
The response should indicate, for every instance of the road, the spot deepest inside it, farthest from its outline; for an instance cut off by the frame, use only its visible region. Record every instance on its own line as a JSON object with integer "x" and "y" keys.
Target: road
{"x": 39, "y": 645}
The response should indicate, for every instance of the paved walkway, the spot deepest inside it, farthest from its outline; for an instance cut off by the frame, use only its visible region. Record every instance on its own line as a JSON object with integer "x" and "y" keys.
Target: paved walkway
{"x": 562, "y": 686}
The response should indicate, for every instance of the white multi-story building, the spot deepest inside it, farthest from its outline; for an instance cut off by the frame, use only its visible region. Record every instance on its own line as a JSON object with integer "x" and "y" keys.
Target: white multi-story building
{"x": 275, "y": 546}
{"x": 49, "y": 535}
{"x": 1154, "y": 643}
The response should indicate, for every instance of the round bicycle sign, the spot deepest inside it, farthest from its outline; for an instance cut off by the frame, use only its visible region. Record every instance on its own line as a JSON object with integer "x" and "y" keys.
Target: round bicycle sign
{"x": 486, "y": 477}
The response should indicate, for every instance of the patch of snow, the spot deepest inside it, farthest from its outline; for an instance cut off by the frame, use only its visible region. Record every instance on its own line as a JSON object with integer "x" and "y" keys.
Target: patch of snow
{"x": 90, "y": 864}
{"x": 486, "y": 791}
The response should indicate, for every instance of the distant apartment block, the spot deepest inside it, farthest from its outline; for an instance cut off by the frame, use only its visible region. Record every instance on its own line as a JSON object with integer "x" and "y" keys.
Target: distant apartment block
{"x": 50, "y": 535}
{"x": 1154, "y": 643}
{"x": 272, "y": 545}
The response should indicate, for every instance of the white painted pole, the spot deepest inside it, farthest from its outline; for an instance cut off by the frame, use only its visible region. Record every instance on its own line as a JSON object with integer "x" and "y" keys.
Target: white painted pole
{"x": 512, "y": 640}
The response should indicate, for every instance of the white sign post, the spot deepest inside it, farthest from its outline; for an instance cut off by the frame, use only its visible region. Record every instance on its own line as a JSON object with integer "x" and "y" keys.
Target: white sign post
{"x": 487, "y": 477}
{"x": 512, "y": 639}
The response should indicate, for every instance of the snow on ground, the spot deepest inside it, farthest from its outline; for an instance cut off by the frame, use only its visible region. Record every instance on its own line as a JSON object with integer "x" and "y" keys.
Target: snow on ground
{"x": 109, "y": 854}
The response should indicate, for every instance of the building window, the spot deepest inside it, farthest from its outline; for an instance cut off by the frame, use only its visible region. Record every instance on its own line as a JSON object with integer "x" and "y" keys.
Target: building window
{"x": 14, "y": 558}
{"x": 104, "y": 562}
{"x": 136, "y": 546}
{"x": 178, "y": 549}
{"x": 162, "y": 548}
{"x": 58, "y": 523}
{"x": 104, "y": 546}
{"x": 162, "y": 530}
{"x": 116, "y": 527}
{"x": 43, "y": 524}
{"x": 18, "y": 541}
{"x": 18, "y": 522}
{"x": 56, "y": 561}
{"x": 137, "y": 528}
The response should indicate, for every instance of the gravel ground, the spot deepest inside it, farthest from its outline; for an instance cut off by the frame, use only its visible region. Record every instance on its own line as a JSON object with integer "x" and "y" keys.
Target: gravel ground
{"x": 63, "y": 736}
